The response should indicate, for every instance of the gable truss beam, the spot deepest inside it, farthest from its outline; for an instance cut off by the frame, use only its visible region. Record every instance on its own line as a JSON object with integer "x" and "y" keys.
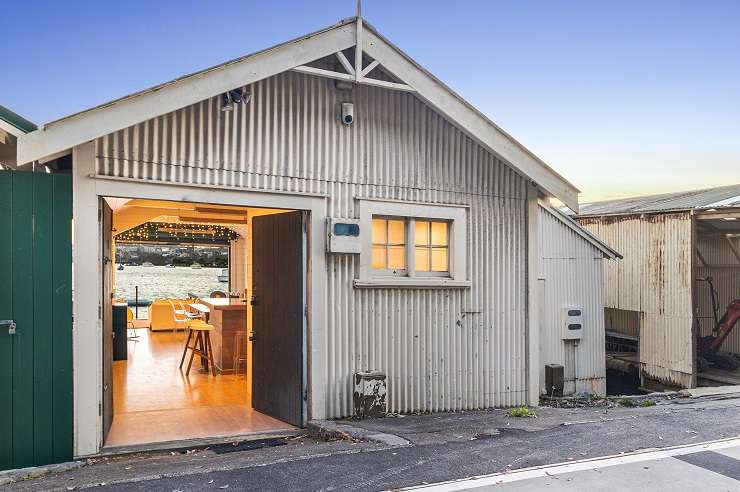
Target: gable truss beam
{"x": 345, "y": 63}
{"x": 331, "y": 74}
{"x": 370, "y": 67}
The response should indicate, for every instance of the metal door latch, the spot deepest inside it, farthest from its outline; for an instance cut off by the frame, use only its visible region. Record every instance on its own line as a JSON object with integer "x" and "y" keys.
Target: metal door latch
{"x": 10, "y": 324}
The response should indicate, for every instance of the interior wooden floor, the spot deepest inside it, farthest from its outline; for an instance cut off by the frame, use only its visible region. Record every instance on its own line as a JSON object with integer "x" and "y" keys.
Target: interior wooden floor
{"x": 154, "y": 401}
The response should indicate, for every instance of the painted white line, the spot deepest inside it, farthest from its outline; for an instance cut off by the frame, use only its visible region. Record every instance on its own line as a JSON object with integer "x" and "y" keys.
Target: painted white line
{"x": 575, "y": 466}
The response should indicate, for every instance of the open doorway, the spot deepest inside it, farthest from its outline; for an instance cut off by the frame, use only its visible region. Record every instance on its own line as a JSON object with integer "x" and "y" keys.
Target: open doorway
{"x": 204, "y": 320}
{"x": 717, "y": 297}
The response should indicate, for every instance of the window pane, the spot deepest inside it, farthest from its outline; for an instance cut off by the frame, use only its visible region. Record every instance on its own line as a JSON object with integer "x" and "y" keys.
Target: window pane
{"x": 439, "y": 260}
{"x": 421, "y": 233}
{"x": 396, "y": 232}
{"x": 379, "y": 228}
{"x": 439, "y": 233}
{"x": 379, "y": 257}
{"x": 422, "y": 259}
{"x": 396, "y": 257}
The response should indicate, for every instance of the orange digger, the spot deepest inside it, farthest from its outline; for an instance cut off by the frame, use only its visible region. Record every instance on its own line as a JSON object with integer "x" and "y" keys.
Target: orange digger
{"x": 708, "y": 347}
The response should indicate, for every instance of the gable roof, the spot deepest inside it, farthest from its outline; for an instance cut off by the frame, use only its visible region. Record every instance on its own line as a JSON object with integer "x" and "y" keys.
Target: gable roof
{"x": 710, "y": 198}
{"x": 63, "y": 134}
{"x": 14, "y": 123}
{"x": 581, "y": 231}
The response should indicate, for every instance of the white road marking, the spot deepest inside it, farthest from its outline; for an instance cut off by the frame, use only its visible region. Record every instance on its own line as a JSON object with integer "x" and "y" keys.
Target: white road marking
{"x": 575, "y": 466}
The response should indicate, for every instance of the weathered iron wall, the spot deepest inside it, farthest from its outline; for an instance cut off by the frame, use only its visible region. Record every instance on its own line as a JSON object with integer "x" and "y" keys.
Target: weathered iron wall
{"x": 654, "y": 277}
{"x": 725, "y": 272}
{"x": 571, "y": 271}
{"x": 622, "y": 323}
{"x": 442, "y": 349}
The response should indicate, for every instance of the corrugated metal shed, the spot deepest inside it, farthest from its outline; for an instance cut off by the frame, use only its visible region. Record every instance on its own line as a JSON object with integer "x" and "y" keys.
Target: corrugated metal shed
{"x": 725, "y": 196}
{"x": 571, "y": 275}
{"x": 655, "y": 280}
{"x": 446, "y": 349}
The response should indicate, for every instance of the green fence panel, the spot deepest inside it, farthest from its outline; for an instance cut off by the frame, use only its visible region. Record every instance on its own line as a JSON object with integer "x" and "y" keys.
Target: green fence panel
{"x": 43, "y": 195}
{"x": 22, "y": 281}
{"x": 6, "y": 312}
{"x": 62, "y": 397}
{"x": 36, "y": 261}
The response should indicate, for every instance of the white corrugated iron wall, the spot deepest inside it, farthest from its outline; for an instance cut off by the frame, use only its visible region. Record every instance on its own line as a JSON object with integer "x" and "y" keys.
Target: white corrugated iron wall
{"x": 726, "y": 277}
{"x": 653, "y": 277}
{"x": 571, "y": 269}
{"x": 442, "y": 349}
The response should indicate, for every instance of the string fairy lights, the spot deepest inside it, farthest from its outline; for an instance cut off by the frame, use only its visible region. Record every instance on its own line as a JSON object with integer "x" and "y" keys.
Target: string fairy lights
{"x": 177, "y": 233}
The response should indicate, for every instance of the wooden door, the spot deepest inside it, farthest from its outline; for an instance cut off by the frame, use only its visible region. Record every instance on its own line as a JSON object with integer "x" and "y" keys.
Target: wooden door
{"x": 106, "y": 252}
{"x": 36, "y": 293}
{"x": 278, "y": 316}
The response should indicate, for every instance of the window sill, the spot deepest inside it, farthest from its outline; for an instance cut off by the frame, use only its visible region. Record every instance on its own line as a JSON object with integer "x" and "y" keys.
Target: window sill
{"x": 411, "y": 283}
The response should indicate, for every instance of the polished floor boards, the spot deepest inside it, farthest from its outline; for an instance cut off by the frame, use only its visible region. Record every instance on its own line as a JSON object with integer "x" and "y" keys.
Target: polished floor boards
{"x": 154, "y": 401}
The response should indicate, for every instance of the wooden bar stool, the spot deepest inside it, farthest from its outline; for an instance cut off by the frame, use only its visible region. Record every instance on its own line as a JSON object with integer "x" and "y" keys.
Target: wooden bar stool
{"x": 240, "y": 351}
{"x": 201, "y": 345}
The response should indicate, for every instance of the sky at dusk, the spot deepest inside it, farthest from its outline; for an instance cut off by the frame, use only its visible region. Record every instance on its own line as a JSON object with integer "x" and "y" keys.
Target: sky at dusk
{"x": 621, "y": 98}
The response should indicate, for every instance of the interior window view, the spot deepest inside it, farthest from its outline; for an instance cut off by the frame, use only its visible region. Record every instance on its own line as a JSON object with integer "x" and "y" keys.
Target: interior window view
{"x": 189, "y": 286}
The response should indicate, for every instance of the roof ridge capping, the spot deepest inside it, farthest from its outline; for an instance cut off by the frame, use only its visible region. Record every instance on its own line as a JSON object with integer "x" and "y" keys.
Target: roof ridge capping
{"x": 65, "y": 133}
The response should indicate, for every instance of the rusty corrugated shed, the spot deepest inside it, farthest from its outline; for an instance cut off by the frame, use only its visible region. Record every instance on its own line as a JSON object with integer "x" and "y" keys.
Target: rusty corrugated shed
{"x": 655, "y": 278}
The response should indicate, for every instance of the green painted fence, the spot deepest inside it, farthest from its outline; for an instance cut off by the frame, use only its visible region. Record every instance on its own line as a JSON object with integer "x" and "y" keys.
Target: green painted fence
{"x": 36, "y": 292}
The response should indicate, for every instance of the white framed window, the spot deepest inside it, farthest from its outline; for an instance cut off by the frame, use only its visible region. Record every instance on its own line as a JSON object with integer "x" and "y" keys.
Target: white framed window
{"x": 389, "y": 245}
{"x": 431, "y": 247}
{"x": 412, "y": 245}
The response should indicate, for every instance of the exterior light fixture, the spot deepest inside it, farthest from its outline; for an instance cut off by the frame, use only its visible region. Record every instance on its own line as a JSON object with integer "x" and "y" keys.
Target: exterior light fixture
{"x": 235, "y": 96}
{"x": 227, "y": 104}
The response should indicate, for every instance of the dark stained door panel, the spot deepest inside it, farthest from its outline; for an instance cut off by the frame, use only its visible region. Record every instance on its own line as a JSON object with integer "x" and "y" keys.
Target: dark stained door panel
{"x": 278, "y": 310}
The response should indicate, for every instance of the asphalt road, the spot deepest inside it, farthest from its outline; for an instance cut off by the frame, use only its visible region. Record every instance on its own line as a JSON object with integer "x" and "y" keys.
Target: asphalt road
{"x": 491, "y": 452}
{"x": 444, "y": 447}
{"x": 699, "y": 467}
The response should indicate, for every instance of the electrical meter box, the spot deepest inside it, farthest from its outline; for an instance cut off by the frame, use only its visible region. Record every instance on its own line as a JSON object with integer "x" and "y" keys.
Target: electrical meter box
{"x": 343, "y": 235}
{"x": 572, "y": 323}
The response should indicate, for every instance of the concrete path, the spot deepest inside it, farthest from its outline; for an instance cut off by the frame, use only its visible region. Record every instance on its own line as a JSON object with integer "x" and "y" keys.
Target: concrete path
{"x": 700, "y": 467}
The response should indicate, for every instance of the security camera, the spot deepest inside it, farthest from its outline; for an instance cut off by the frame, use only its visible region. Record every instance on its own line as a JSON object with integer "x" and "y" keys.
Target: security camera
{"x": 348, "y": 113}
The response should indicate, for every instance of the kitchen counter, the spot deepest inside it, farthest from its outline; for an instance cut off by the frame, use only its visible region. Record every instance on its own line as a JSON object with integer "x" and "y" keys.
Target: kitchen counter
{"x": 224, "y": 304}
{"x": 228, "y": 317}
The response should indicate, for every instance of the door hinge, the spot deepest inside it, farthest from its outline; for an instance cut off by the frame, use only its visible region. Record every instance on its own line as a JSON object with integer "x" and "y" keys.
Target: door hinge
{"x": 305, "y": 311}
{"x": 100, "y": 214}
{"x": 100, "y": 409}
{"x": 100, "y": 311}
